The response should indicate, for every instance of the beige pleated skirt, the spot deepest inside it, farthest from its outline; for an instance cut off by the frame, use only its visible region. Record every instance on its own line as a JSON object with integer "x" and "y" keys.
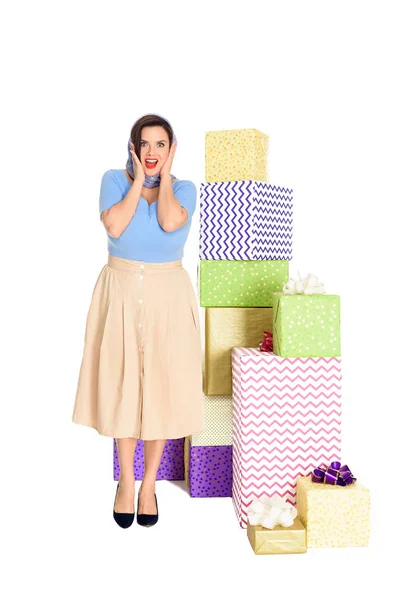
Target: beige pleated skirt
{"x": 141, "y": 370}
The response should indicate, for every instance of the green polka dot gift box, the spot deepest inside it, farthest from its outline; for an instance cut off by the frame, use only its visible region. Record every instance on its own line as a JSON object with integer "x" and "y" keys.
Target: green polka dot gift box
{"x": 240, "y": 283}
{"x": 306, "y": 325}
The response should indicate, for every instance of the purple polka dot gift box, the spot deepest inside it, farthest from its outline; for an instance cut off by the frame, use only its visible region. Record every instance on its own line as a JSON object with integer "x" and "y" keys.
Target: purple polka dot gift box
{"x": 208, "y": 470}
{"x": 171, "y": 464}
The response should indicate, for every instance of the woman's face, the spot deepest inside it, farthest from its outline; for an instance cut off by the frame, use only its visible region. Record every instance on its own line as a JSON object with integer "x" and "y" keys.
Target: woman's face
{"x": 154, "y": 145}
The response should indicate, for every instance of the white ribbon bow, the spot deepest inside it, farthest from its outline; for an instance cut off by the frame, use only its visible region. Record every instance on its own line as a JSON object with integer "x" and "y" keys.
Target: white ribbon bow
{"x": 307, "y": 285}
{"x": 269, "y": 512}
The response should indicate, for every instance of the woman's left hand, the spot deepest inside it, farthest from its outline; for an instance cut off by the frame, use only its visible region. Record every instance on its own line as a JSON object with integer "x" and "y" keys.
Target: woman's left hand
{"x": 166, "y": 168}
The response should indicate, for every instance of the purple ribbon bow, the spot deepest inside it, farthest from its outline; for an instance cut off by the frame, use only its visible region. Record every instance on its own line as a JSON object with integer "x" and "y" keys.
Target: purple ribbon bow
{"x": 335, "y": 474}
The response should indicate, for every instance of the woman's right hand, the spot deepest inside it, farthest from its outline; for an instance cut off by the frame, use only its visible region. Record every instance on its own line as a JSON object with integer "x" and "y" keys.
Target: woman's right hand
{"x": 138, "y": 167}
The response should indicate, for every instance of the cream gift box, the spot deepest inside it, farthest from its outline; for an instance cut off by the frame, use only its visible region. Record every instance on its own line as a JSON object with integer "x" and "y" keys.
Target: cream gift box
{"x": 246, "y": 220}
{"x": 286, "y": 419}
{"x": 335, "y": 516}
{"x": 234, "y": 154}
{"x": 218, "y": 422}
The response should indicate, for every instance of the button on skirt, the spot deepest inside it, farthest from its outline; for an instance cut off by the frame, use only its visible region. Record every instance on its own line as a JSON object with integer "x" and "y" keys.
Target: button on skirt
{"x": 141, "y": 369}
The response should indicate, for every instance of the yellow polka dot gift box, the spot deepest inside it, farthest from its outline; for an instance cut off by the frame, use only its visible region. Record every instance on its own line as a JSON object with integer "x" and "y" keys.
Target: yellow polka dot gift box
{"x": 306, "y": 325}
{"x": 335, "y": 516}
{"x": 247, "y": 283}
{"x": 236, "y": 154}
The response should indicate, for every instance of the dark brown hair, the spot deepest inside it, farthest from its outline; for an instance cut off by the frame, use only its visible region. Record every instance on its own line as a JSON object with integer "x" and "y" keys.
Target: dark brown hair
{"x": 148, "y": 121}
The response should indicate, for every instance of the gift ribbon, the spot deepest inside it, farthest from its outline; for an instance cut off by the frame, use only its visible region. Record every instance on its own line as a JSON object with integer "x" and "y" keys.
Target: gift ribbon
{"x": 335, "y": 474}
{"x": 269, "y": 512}
{"x": 266, "y": 345}
{"x": 308, "y": 285}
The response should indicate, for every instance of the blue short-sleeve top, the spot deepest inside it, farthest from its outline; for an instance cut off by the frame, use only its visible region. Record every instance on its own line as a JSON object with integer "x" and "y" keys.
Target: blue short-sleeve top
{"x": 144, "y": 239}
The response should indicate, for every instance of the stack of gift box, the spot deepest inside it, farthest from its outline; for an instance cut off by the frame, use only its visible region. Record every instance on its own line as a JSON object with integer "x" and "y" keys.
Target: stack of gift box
{"x": 272, "y": 417}
{"x": 245, "y": 248}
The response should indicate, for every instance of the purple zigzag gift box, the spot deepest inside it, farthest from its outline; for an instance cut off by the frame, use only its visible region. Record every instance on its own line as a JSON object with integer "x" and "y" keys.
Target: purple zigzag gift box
{"x": 210, "y": 471}
{"x": 245, "y": 220}
{"x": 171, "y": 464}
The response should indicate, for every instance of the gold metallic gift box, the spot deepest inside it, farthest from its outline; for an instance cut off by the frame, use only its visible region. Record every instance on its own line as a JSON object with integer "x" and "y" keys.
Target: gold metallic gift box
{"x": 236, "y": 155}
{"x": 280, "y": 540}
{"x": 335, "y": 516}
{"x": 224, "y": 329}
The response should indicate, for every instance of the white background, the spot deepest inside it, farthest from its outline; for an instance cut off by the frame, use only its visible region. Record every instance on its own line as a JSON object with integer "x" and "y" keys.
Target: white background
{"x": 321, "y": 80}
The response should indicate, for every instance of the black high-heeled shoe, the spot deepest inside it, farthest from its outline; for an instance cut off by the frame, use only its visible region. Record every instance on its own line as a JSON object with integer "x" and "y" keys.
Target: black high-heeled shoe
{"x": 124, "y": 520}
{"x": 144, "y": 519}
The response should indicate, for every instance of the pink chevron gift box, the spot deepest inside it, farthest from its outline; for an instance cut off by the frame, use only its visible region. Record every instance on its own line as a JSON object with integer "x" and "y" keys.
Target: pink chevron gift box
{"x": 286, "y": 420}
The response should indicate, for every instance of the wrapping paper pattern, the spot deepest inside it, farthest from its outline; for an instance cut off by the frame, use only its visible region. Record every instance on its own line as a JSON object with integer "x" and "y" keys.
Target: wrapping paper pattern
{"x": 171, "y": 464}
{"x": 241, "y": 283}
{"x": 233, "y": 154}
{"x": 210, "y": 471}
{"x": 245, "y": 220}
{"x": 335, "y": 516}
{"x": 286, "y": 420}
{"x": 306, "y": 325}
{"x": 186, "y": 453}
{"x": 280, "y": 540}
{"x": 224, "y": 329}
{"x": 218, "y": 419}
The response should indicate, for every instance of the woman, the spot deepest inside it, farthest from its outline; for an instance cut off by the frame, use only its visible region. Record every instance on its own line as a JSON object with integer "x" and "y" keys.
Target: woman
{"x": 141, "y": 372}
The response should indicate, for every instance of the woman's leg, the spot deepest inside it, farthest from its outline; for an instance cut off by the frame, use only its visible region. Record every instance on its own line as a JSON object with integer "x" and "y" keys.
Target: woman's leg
{"x": 153, "y": 450}
{"x": 125, "y": 501}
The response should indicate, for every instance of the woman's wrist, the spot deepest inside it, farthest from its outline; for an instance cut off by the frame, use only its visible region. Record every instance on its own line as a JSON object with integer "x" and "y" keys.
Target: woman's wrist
{"x": 139, "y": 182}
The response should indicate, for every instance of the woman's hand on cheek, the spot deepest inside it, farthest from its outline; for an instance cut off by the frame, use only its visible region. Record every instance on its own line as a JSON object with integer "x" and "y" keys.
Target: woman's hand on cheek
{"x": 138, "y": 167}
{"x": 166, "y": 168}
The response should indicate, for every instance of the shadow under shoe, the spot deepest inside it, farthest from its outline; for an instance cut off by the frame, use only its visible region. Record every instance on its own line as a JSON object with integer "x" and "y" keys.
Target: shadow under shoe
{"x": 124, "y": 520}
{"x": 147, "y": 520}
